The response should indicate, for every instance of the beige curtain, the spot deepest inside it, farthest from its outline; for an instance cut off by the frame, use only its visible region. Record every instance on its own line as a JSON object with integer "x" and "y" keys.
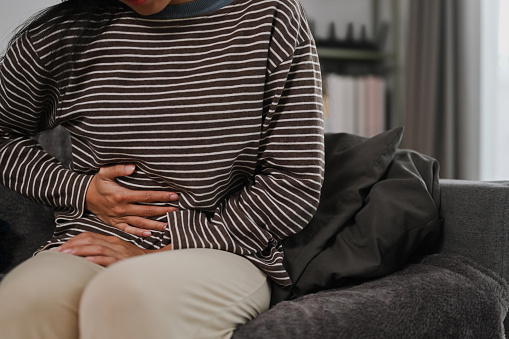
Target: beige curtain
{"x": 432, "y": 82}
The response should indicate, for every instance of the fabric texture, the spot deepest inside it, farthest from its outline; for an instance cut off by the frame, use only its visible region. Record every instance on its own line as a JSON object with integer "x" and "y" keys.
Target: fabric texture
{"x": 444, "y": 296}
{"x": 194, "y": 293}
{"x": 4, "y": 229}
{"x": 190, "y": 9}
{"x": 222, "y": 108}
{"x": 31, "y": 225}
{"x": 379, "y": 206}
{"x": 45, "y": 289}
{"x": 474, "y": 210}
{"x": 57, "y": 142}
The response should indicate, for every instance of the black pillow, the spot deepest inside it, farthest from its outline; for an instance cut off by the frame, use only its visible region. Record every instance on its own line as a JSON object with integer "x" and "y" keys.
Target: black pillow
{"x": 378, "y": 206}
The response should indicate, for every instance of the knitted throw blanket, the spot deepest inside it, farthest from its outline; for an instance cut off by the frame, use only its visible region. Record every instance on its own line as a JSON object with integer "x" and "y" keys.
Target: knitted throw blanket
{"x": 443, "y": 296}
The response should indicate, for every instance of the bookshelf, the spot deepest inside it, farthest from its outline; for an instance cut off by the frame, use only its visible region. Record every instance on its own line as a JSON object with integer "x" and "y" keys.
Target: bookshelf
{"x": 371, "y": 59}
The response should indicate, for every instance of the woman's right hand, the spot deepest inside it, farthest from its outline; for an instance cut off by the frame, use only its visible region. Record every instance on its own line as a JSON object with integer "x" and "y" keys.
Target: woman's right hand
{"x": 119, "y": 207}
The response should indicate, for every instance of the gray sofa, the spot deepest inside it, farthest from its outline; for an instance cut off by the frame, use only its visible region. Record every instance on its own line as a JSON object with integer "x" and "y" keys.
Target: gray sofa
{"x": 476, "y": 226}
{"x": 461, "y": 292}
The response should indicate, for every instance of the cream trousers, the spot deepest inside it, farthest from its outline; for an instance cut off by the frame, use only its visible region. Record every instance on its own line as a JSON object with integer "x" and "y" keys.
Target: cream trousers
{"x": 184, "y": 294}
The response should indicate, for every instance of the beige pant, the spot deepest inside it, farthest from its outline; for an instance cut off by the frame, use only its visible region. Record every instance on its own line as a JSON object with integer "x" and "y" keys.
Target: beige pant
{"x": 184, "y": 294}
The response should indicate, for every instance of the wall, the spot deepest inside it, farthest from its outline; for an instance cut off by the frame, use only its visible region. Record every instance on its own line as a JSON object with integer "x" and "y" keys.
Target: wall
{"x": 341, "y": 12}
{"x": 14, "y": 13}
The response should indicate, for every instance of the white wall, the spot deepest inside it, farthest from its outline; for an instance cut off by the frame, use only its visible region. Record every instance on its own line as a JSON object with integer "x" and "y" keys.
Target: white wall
{"x": 13, "y": 13}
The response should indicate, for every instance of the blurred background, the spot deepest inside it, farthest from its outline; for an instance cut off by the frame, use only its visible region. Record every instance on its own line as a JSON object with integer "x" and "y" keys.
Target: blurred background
{"x": 438, "y": 67}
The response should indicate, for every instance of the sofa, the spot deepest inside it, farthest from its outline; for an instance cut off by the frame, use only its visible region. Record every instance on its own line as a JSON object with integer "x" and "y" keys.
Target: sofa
{"x": 455, "y": 289}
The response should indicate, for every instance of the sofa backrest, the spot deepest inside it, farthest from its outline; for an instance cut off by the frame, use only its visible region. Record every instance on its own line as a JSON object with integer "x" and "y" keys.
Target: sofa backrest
{"x": 30, "y": 226}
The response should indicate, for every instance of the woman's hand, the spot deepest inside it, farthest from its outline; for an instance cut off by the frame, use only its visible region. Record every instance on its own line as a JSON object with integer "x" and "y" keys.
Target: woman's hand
{"x": 118, "y": 206}
{"x": 101, "y": 249}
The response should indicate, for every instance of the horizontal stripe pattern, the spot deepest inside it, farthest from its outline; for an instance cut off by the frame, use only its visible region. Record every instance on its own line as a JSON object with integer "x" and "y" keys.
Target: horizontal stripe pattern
{"x": 224, "y": 109}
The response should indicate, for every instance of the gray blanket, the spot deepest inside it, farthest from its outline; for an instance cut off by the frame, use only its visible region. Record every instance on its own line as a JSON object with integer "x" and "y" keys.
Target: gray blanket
{"x": 443, "y": 296}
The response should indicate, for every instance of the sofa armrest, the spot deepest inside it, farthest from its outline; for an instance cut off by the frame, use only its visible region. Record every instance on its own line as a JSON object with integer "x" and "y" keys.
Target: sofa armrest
{"x": 476, "y": 222}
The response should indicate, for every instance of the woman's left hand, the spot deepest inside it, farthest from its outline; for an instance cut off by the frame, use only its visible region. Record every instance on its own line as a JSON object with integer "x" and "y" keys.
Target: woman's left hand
{"x": 101, "y": 249}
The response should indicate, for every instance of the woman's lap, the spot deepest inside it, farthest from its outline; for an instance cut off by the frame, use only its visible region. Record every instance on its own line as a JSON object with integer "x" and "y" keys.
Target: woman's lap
{"x": 42, "y": 290}
{"x": 194, "y": 293}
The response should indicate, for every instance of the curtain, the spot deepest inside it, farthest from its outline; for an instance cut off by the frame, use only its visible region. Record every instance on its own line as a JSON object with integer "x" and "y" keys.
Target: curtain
{"x": 432, "y": 106}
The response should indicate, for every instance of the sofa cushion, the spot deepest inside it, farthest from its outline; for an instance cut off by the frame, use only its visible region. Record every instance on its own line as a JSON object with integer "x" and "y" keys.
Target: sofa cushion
{"x": 31, "y": 225}
{"x": 4, "y": 229}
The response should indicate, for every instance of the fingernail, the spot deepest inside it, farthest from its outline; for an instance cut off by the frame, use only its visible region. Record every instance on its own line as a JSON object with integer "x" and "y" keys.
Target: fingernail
{"x": 58, "y": 249}
{"x": 174, "y": 197}
{"x": 130, "y": 168}
{"x": 147, "y": 233}
{"x": 68, "y": 251}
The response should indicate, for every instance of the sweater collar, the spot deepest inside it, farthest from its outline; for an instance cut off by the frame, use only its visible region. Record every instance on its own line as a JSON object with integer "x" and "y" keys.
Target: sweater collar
{"x": 190, "y": 9}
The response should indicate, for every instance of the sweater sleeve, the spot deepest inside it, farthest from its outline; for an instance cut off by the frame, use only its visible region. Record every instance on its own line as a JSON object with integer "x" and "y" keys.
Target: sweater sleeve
{"x": 28, "y": 102}
{"x": 283, "y": 195}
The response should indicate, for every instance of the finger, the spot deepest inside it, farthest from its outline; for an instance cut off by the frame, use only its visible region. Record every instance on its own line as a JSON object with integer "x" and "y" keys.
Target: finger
{"x": 85, "y": 239}
{"x": 143, "y": 223}
{"x": 148, "y": 196}
{"x": 111, "y": 172}
{"x": 140, "y": 232}
{"x": 90, "y": 250}
{"x": 145, "y": 211}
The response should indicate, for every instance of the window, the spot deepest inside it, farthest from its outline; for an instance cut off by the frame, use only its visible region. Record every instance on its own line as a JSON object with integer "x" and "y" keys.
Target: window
{"x": 495, "y": 90}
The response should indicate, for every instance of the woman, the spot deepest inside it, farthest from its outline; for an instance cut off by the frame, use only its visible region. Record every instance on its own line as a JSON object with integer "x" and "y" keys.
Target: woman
{"x": 197, "y": 140}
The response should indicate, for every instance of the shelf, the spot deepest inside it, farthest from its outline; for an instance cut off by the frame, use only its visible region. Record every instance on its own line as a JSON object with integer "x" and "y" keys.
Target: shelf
{"x": 385, "y": 63}
{"x": 352, "y": 54}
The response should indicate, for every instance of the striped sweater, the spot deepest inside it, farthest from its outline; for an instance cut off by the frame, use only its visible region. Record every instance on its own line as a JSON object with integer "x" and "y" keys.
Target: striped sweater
{"x": 223, "y": 107}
